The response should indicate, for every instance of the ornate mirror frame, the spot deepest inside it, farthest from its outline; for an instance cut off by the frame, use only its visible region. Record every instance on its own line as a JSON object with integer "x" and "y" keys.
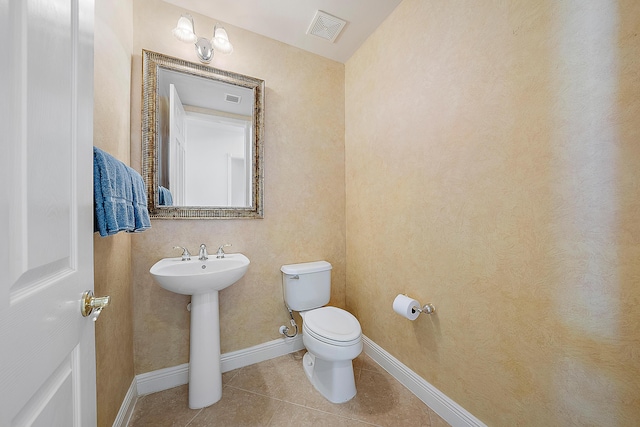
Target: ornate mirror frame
{"x": 151, "y": 63}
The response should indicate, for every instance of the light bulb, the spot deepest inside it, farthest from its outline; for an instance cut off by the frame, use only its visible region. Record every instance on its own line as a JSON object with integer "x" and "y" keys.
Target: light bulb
{"x": 221, "y": 41}
{"x": 184, "y": 30}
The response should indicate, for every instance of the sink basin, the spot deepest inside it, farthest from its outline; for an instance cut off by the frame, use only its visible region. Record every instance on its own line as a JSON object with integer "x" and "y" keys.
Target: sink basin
{"x": 202, "y": 280}
{"x": 199, "y": 277}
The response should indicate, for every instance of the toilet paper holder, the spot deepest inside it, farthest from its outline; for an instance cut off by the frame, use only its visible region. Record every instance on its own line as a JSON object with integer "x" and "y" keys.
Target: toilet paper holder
{"x": 411, "y": 308}
{"x": 426, "y": 309}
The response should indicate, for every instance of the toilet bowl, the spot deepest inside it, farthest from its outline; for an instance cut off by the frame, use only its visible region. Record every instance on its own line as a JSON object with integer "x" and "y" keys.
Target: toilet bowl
{"x": 333, "y": 338}
{"x": 331, "y": 335}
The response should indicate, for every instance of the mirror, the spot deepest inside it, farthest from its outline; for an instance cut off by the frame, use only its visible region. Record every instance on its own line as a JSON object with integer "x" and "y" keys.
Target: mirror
{"x": 202, "y": 148}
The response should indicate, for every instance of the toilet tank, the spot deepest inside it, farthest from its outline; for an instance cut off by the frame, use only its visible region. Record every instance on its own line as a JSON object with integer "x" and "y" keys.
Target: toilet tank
{"x": 306, "y": 285}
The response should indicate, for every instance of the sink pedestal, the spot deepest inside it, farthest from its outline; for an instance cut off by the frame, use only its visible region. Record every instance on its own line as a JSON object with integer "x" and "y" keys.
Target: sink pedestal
{"x": 205, "y": 375}
{"x": 202, "y": 279}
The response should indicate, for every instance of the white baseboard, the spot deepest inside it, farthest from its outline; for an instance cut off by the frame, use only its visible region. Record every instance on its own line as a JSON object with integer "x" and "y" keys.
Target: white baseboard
{"x": 167, "y": 378}
{"x": 260, "y": 353}
{"x": 162, "y": 379}
{"x": 126, "y": 409}
{"x": 449, "y": 410}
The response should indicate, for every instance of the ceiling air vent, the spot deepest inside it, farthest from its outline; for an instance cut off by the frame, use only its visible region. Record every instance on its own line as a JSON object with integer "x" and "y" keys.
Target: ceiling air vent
{"x": 235, "y": 99}
{"x": 326, "y": 26}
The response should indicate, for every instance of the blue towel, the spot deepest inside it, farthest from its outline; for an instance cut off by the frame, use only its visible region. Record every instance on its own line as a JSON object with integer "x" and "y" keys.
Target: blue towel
{"x": 117, "y": 201}
{"x": 112, "y": 193}
{"x": 164, "y": 196}
{"x": 140, "y": 212}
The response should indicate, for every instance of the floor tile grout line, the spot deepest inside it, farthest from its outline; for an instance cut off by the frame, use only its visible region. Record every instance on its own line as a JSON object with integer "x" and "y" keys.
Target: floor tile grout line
{"x": 275, "y": 412}
{"x": 194, "y": 417}
{"x": 256, "y": 393}
{"x": 330, "y": 413}
{"x": 303, "y": 406}
{"x": 234, "y": 375}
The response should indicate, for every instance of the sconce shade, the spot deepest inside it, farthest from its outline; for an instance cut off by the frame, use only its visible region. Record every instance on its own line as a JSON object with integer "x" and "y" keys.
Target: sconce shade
{"x": 221, "y": 41}
{"x": 184, "y": 30}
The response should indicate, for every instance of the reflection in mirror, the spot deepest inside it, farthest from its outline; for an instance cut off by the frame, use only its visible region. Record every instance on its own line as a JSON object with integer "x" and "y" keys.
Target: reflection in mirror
{"x": 206, "y": 134}
{"x": 202, "y": 140}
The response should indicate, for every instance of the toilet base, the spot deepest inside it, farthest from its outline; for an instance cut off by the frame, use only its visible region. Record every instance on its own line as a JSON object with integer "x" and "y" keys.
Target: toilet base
{"x": 334, "y": 380}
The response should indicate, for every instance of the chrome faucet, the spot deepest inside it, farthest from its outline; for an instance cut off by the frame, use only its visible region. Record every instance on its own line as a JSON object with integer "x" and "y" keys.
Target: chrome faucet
{"x": 220, "y": 253}
{"x": 186, "y": 256}
{"x": 203, "y": 255}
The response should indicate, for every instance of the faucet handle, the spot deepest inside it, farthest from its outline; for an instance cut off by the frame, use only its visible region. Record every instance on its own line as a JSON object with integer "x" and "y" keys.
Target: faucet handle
{"x": 220, "y": 253}
{"x": 186, "y": 256}
{"x": 203, "y": 255}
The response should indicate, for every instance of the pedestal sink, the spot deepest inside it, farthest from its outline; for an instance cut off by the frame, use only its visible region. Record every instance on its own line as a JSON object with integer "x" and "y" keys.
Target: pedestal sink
{"x": 202, "y": 280}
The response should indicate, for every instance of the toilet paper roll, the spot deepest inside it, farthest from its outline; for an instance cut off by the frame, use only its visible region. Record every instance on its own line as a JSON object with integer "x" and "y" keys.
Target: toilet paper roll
{"x": 404, "y": 306}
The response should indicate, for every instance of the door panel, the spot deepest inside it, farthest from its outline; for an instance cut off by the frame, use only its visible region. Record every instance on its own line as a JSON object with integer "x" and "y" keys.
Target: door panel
{"x": 177, "y": 147}
{"x": 47, "y": 374}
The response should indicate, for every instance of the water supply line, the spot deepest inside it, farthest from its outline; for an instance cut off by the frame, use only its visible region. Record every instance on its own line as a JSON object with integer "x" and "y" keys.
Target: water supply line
{"x": 284, "y": 330}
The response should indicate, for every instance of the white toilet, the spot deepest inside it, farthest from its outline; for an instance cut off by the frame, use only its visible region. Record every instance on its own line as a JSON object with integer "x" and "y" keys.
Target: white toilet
{"x": 332, "y": 336}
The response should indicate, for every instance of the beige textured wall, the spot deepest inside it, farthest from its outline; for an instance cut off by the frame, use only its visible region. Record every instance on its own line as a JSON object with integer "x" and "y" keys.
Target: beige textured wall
{"x": 112, "y": 254}
{"x": 304, "y": 192}
{"x": 492, "y": 168}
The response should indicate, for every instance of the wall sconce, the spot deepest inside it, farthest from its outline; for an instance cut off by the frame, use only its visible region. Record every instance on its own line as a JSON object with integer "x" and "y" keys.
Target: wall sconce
{"x": 185, "y": 32}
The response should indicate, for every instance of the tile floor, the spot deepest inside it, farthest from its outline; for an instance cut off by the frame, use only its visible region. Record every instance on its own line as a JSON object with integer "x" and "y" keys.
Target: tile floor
{"x": 277, "y": 393}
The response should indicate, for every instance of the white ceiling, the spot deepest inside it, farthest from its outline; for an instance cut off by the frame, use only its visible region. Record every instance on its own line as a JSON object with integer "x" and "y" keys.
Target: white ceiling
{"x": 206, "y": 93}
{"x": 288, "y": 20}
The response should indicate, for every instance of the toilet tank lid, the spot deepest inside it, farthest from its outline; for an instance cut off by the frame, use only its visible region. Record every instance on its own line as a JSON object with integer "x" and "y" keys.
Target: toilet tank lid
{"x": 306, "y": 267}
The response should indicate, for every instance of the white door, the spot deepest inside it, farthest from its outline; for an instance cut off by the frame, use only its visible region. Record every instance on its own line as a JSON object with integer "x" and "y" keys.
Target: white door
{"x": 177, "y": 147}
{"x": 47, "y": 371}
{"x": 236, "y": 181}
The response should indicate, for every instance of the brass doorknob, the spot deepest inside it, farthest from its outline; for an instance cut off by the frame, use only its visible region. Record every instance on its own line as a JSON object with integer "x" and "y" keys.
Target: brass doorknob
{"x": 93, "y": 305}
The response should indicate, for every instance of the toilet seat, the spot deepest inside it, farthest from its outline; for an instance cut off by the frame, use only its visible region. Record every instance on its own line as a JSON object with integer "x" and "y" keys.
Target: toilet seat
{"x": 333, "y": 326}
